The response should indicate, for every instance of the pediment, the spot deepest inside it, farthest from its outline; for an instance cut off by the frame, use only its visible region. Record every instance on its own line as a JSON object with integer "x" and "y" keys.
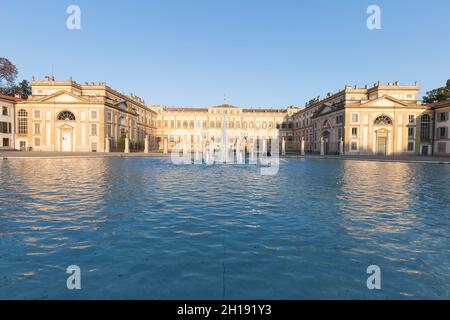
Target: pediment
{"x": 63, "y": 97}
{"x": 324, "y": 109}
{"x": 385, "y": 101}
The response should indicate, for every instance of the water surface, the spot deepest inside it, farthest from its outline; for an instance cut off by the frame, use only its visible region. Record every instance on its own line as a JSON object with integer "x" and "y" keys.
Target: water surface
{"x": 143, "y": 228}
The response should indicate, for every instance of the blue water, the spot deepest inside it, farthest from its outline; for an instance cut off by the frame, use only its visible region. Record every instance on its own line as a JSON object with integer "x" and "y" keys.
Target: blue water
{"x": 142, "y": 228}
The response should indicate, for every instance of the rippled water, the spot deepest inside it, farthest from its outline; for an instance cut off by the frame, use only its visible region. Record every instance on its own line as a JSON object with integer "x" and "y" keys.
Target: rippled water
{"x": 143, "y": 228}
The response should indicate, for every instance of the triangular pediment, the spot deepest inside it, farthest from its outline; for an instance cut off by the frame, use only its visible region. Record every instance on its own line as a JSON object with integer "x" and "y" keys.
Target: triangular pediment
{"x": 385, "y": 101}
{"x": 324, "y": 109}
{"x": 63, "y": 96}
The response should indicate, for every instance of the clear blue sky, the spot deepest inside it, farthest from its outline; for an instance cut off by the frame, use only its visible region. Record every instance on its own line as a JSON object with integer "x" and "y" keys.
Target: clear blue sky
{"x": 260, "y": 53}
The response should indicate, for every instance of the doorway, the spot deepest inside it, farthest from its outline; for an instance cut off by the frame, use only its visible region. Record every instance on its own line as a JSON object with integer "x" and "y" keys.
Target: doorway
{"x": 382, "y": 142}
{"x": 66, "y": 145}
{"x": 425, "y": 150}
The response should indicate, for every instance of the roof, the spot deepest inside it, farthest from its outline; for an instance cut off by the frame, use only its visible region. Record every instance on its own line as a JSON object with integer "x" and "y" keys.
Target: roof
{"x": 441, "y": 104}
{"x": 9, "y": 98}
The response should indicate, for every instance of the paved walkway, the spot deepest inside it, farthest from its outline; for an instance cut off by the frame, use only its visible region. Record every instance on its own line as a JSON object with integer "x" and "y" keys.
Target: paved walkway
{"x": 406, "y": 158}
{"x": 64, "y": 155}
{"x": 61, "y": 155}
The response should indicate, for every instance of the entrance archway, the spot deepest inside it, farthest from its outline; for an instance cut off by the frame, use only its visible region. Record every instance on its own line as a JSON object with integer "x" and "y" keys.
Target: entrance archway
{"x": 326, "y": 141}
{"x": 381, "y": 146}
{"x": 67, "y": 138}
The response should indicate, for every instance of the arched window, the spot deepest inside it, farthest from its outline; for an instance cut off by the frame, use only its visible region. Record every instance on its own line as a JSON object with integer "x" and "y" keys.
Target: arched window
{"x": 66, "y": 116}
{"x": 383, "y": 120}
{"x": 23, "y": 121}
{"x": 425, "y": 126}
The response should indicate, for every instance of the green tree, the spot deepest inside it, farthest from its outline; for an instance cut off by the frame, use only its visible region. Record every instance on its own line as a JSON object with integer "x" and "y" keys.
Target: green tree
{"x": 24, "y": 89}
{"x": 439, "y": 94}
{"x": 8, "y": 73}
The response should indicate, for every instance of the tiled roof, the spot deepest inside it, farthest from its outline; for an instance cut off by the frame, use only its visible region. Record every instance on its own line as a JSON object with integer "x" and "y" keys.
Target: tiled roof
{"x": 14, "y": 99}
{"x": 440, "y": 104}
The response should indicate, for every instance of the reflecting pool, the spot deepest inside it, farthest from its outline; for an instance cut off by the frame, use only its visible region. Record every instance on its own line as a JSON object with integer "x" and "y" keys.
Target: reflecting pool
{"x": 143, "y": 228}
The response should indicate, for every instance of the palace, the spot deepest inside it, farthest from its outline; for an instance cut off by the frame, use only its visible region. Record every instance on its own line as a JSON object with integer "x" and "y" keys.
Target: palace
{"x": 384, "y": 119}
{"x": 66, "y": 116}
{"x": 7, "y": 115}
{"x": 92, "y": 117}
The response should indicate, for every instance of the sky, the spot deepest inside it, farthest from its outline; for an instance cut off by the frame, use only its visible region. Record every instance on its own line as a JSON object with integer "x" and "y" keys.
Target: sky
{"x": 258, "y": 53}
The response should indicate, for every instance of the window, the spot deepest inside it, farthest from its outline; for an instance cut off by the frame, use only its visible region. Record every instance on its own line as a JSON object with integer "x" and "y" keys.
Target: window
{"x": 354, "y": 132}
{"x": 442, "y": 146}
{"x": 339, "y": 133}
{"x": 354, "y": 146}
{"x": 23, "y": 121}
{"x": 37, "y": 142}
{"x": 355, "y": 118}
{"x": 37, "y": 114}
{"x": 411, "y": 134}
{"x": 66, "y": 116}
{"x": 93, "y": 129}
{"x": 109, "y": 116}
{"x": 411, "y": 119}
{"x": 442, "y": 133}
{"x": 4, "y": 111}
{"x": 5, "y": 127}
{"x": 94, "y": 115}
{"x": 442, "y": 116}
{"x": 383, "y": 120}
{"x": 339, "y": 119}
{"x": 37, "y": 128}
{"x": 425, "y": 125}
{"x": 410, "y": 146}
{"x": 5, "y": 142}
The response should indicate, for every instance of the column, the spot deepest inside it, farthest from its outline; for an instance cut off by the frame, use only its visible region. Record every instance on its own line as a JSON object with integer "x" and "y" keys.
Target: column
{"x": 165, "y": 146}
{"x": 146, "y": 144}
{"x": 302, "y": 146}
{"x": 107, "y": 144}
{"x": 322, "y": 147}
{"x": 127, "y": 145}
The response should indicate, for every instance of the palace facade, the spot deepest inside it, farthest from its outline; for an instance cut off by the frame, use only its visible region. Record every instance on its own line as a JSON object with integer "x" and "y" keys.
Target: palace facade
{"x": 442, "y": 136}
{"x": 7, "y": 123}
{"x": 383, "y": 119}
{"x": 210, "y": 123}
{"x": 65, "y": 116}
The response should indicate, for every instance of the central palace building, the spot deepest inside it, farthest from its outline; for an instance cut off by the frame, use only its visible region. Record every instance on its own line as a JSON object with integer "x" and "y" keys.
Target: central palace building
{"x": 67, "y": 116}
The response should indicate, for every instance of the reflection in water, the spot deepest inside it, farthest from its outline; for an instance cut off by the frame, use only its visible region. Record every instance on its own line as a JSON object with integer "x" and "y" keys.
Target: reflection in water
{"x": 144, "y": 228}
